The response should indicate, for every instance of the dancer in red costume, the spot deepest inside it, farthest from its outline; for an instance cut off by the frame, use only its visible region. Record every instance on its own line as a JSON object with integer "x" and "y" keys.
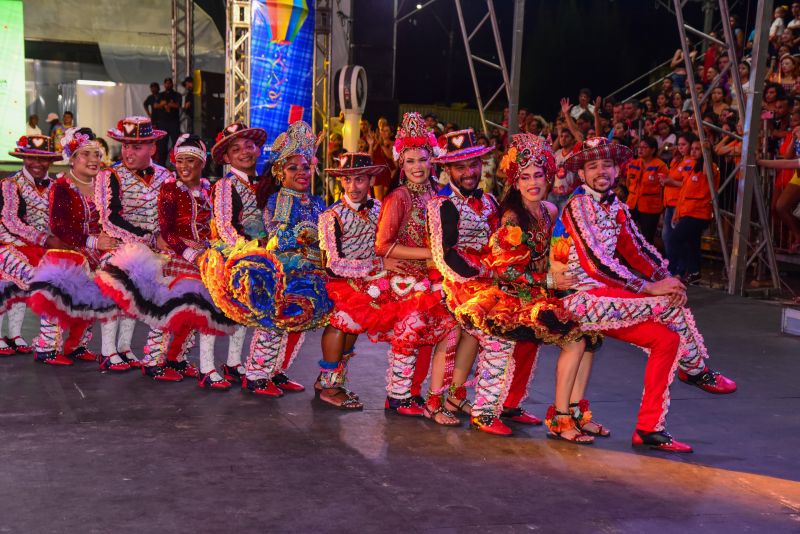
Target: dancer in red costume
{"x": 347, "y": 239}
{"x": 646, "y": 311}
{"x": 402, "y": 236}
{"x": 170, "y": 295}
{"x": 25, "y": 235}
{"x": 126, "y": 194}
{"x": 62, "y": 289}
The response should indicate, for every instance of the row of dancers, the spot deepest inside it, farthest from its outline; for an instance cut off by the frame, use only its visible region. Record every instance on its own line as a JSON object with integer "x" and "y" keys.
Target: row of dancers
{"x": 451, "y": 279}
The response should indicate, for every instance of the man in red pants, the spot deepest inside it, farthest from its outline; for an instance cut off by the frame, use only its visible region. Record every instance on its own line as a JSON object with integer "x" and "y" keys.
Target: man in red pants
{"x": 648, "y": 310}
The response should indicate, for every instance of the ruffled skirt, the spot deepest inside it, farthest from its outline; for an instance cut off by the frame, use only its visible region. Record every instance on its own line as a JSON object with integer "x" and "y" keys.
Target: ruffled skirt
{"x": 166, "y": 293}
{"x": 257, "y": 287}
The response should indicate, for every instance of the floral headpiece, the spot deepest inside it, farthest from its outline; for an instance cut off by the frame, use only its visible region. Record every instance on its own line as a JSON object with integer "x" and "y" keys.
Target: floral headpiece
{"x": 298, "y": 139}
{"x": 525, "y": 150}
{"x": 412, "y": 133}
{"x": 661, "y": 120}
{"x": 189, "y": 144}
{"x": 76, "y": 138}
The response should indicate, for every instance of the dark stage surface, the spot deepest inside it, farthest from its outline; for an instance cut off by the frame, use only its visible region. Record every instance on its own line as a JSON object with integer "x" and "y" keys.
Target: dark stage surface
{"x": 87, "y": 452}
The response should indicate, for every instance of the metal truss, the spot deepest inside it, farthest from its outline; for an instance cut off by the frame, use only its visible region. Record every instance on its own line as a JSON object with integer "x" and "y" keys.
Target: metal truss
{"x": 321, "y": 99}
{"x": 509, "y": 84}
{"x": 237, "y": 61}
{"x": 182, "y": 39}
{"x": 751, "y": 241}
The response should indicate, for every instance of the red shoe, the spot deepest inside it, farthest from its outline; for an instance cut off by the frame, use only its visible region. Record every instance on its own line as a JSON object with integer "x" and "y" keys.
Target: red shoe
{"x": 207, "y": 382}
{"x": 83, "y": 354}
{"x": 518, "y": 415}
{"x": 184, "y": 368}
{"x": 710, "y": 381}
{"x": 106, "y": 365}
{"x": 52, "y": 358}
{"x": 160, "y": 373}
{"x": 7, "y": 351}
{"x": 490, "y": 424}
{"x": 287, "y": 384}
{"x": 407, "y": 407}
{"x": 262, "y": 386}
{"x": 127, "y": 357}
{"x": 233, "y": 373}
{"x": 660, "y": 441}
{"x": 22, "y": 348}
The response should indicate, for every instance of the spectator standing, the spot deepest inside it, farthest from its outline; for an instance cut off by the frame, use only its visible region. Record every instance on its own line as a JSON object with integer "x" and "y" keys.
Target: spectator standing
{"x": 778, "y": 24}
{"x": 786, "y": 75}
{"x": 693, "y": 212}
{"x": 787, "y": 203}
{"x": 584, "y": 104}
{"x": 645, "y": 192}
{"x": 380, "y": 147}
{"x": 564, "y": 182}
{"x": 169, "y": 103}
{"x": 187, "y": 110}
{"x": 56, "y": 130}
{"x": 680, "y": 165}
{"x": 33, "y": 126}
{"x": 149, "y": 104}
{"x": 69, "y": 120}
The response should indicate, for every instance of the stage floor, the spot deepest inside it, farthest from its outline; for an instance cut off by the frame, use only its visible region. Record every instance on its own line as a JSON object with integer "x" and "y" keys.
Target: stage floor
{"x": 88, "y": 452}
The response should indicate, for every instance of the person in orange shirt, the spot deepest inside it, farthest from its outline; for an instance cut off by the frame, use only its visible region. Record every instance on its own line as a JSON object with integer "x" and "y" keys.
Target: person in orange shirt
{"x": 645, "y": 192}
{"x": 692, "y": 214}
{"x": 681, "y": 164}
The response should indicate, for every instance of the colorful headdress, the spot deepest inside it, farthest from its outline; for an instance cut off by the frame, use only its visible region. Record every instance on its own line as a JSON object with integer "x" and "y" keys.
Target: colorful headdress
{"x": 412, "y": 133}
{"x": 135, "y": 130}
{"x": 36, "y": 146}
{"x": 525, "y": 150}
{"x": 298, "y": 139}
{"x": 189, "y": 144}
{"x": 354, "y": 164}
{"x": 460, "y": 146}
{"x": 75, "y": 139}
{"x": 232, "y": 132}
{"x": 662, "y": 120}
{"x": 596, "y": 148}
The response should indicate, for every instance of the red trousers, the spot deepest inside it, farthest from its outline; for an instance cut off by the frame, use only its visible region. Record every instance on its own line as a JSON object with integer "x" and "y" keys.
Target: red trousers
{"x": 525, "y": 356}
{"x": 662, "y": 345}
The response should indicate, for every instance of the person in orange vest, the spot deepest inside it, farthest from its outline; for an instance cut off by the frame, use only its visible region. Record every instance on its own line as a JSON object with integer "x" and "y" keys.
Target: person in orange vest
{"x": 645, "y": 192}
{"x": 692, "y": 214}
{"x": 681, "y": 164}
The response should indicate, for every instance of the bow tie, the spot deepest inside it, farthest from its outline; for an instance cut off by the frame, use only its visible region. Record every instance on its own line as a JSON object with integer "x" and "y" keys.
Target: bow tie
{"x": 366, "y": 206}
{"x": 608, "y": 197}
{"x": 147, "y": 172}
{"x": 44, "y": 182}
{"x": 253, "y": 179}
{"x": 475, "y": 193}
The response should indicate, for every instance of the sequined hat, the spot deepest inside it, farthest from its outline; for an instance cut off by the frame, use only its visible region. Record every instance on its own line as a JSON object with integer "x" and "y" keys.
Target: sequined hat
{"x": 412, "y": 133}
{"x": 36, "y": 146}
{"x": 189, "y": 144}
{"x": 596, "y": 148}
{"x": 232, "y": 132}
{"x": 298, "y": 139}
{"x": 460, "y": 146}
{"x": 525, "y": 150}
{"x": 354, "y": 164}
{"x": 135, "y": 129}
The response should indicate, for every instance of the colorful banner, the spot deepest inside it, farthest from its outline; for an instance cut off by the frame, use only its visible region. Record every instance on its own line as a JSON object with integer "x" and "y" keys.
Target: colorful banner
{"x": 12, "y": 76}
{"x": 281, "y": 65}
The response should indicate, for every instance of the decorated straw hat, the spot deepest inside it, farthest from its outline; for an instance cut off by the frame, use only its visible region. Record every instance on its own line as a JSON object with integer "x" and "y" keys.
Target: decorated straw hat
{"x": 525, "y": 150}
{"x": 298, "y": 139}
{"x": 35, "y": 146}
{"x": 596, "y": 148}
{"x": 354, "y": 164}
{"x": 460, "y": 146}
{"x": 135, "y": 130}
{"x": 232, "y": 132}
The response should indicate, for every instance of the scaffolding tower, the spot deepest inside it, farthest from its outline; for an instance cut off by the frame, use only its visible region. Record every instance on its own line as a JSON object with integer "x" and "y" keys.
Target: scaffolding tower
{"x": 182, "y": 39}
{"x": 749, "y": 244}
{"x": 321, "y": 98}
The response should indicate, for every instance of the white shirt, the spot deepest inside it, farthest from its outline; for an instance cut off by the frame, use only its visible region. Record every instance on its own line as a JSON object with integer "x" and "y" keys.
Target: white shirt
{"x": 777, "y": 27}
{"x": 33, "y": 131}
{"x": 577, "y": 110}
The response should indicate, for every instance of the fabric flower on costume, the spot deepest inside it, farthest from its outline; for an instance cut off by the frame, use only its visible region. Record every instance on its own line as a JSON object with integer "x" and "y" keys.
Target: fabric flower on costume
{"x": 507, "y": 254}
{"x": 22, "y": 142}
{"x": 559, "y": 248}
{"x": 373, "y": 291}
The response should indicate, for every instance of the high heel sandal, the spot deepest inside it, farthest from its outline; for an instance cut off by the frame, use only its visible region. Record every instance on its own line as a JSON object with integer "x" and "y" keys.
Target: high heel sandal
{"x": 457, "y": 402}
{"x": 559, "y": 422}
{"x": 434, "y": 406}
{"x": 583, "y": 417}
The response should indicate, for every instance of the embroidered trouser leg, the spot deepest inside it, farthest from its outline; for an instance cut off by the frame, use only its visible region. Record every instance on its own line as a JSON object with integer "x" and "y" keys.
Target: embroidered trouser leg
{"x": 49, "y": 338}
{"x": 16, "y": 316}
{"x": 294, "y": 341}
{"x": 607, "y": 308}
{"x": 108, "y": 337}
{"x": 206, "y": 353}
{"x": 155, "y": 348}
{"x": 526, "y": 354}
{"x": 493, "y": 374}
{"x": 661, "y": 344}
{"x": 126, "y": 327}
{"x": 266, "y": 350}
{"x": 235, "y": 344}
{"x": 421, "y": 369}
{"x": 401, "y": 371}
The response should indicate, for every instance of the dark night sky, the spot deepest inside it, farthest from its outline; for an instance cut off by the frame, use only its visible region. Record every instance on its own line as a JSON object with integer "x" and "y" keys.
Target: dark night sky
{"x": 568, "y": 44}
